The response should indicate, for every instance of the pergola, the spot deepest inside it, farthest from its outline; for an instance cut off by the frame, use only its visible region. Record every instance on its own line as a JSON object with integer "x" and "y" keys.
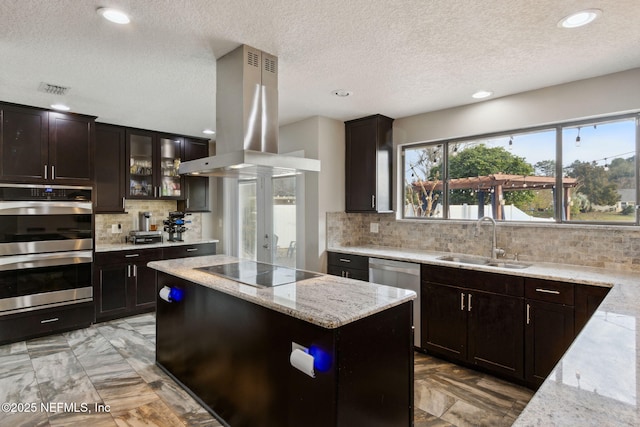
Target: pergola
{"x": 498, "y": 183}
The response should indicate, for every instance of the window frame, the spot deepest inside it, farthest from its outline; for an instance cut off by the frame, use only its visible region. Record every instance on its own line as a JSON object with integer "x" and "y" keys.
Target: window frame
{"x": 558, "y": 201}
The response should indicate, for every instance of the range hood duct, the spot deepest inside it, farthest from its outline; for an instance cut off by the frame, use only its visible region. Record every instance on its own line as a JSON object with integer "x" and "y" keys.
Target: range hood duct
{"x": 247, "y": 121}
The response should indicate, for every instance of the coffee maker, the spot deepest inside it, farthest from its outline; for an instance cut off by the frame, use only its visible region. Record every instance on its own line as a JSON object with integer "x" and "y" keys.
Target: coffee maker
{"x": 174, "y": 225}
{"x": 146, "y": 232}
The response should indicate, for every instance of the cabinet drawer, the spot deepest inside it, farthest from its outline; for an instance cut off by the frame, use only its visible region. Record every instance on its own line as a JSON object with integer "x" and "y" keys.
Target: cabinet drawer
{"x": 134, "y": 255}
{"x": 184, "y": 251}
{"x": 549, "y": 291}
{"x": 357, "y": 262}
{"x": 42, "y": 322}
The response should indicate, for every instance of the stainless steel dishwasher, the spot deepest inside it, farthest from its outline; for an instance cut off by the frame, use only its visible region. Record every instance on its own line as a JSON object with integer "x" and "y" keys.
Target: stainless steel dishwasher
{"x": 399, "y": 274}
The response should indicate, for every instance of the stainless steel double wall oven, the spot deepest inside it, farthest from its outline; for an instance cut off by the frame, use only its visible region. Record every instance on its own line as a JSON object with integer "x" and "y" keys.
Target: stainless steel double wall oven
{"x": 46, "y": 247}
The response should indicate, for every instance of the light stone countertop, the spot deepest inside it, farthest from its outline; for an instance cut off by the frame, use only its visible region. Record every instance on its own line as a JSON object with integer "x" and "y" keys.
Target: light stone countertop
{"x": 596, "y": 383}
{"x": 109, "y": 247}
{"x": 326, "y": 301}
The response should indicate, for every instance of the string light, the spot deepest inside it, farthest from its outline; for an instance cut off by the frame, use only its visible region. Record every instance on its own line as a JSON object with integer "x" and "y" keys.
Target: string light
{"x": 578, "y": 138}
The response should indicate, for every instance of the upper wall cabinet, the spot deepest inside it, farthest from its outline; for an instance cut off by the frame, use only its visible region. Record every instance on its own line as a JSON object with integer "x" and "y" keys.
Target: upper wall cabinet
{"x": 196, "y": 188}
{"x": 110, "y": 168}
{"x": 154, "y": 159}
{"x": 369, "y": 149}
{"x": 40, "y": 146}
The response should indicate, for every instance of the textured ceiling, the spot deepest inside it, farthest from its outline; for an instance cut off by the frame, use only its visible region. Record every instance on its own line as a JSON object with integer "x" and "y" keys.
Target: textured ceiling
{"x": 398, "y": 57}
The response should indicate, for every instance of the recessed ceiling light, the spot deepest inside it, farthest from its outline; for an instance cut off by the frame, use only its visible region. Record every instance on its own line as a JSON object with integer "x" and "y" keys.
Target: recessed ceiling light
{"x": 114, "y": 15}
{"x": 482, "y": 94}
{"x": 209, "y": 131}
{"x": 60, "y": 107}
{"x": 579, "y": 19}
{"x": 342, "y": 93}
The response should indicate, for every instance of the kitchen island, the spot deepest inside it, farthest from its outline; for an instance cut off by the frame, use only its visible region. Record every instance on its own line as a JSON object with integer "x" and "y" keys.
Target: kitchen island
{"x": 321, "y": 351}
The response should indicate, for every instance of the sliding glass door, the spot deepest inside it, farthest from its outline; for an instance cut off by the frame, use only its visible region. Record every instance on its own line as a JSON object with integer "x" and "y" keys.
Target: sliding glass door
{"x": 267, "y": 220}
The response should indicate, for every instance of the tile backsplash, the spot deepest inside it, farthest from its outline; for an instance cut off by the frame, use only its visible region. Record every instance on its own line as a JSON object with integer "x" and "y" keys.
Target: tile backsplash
{"x": 594, "y": 246}
{"x": 159, "y": 211}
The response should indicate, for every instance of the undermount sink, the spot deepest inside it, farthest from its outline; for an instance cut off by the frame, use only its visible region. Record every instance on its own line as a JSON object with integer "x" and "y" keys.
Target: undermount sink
{"x": 465, "y": 260}
{"x": 504, "y": 264}
{"x": 484, "y": 261}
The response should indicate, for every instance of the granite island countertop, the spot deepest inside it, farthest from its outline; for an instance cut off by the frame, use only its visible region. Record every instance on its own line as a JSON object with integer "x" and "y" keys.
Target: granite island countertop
{"x": 326, "y": 301}
{"x": 597, "y": 380}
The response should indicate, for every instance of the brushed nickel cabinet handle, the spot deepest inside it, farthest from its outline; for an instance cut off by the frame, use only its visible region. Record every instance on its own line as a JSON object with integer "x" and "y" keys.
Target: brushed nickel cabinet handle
{"x": 46, "y": 168}
{"x": 131, "y": 255}
{"x": 373, "y": 200}
{"x": 528, "y": 314}
{"x": 548, "y": 291}
{"x": 192, "y": 249}
{"x": 344, "y": 260}
{"x": 462, "y": 301}
{"x": 54, "y": 319}
{"x": 53, "y": 172}
{"x": 469, "y": 303}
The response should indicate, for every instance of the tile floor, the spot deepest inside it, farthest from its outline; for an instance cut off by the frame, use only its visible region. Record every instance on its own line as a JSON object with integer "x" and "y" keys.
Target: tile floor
{"x": 113, "y": 363}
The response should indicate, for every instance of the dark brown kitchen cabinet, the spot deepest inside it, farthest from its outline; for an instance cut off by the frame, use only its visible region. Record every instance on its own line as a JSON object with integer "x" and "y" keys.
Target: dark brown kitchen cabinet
{"x": 123, "y": 284}
{"x": 368, "y": 162}
{"x": 549, "y": 326}
{"x": 349, "y": 266}
{"x": 444, "y": 320}
{"x": 152, "y": 171}
{"x": 40, "y": 146}
{"x": 548, "y": 334}
{"x": 587, "y": 301}
{"x": 196, "y": 188}
{"x": 31, "y": 324}
{"x": 109, "y": 169}
{"x": 475, "y": 318}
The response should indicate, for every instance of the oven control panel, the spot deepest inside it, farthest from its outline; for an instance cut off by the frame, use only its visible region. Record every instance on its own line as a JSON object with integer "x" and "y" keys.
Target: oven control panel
{"x": 26, "y": 192}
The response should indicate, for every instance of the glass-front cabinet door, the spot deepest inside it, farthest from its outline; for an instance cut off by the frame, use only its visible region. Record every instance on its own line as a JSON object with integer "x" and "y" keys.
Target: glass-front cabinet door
{"x": 140, "y": 148}
{"x": 153, "y": 165}
{"x": 170, "y": 181}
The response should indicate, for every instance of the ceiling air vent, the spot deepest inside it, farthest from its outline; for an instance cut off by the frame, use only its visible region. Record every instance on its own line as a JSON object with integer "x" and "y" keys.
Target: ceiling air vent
{"x": 53, "y": 89}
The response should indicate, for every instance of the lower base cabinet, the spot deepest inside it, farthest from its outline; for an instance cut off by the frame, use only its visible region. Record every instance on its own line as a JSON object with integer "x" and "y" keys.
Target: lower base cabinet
{"x": 514, "y": 327}
{"x": 123, "y": 285}
{"x": 548, "y": 334}
{"x": 478, "y": 328}
{"x": 348, "y": 265}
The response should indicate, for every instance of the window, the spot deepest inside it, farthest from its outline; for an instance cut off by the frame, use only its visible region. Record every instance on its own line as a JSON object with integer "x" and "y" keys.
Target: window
{"x": 423, "y": 185}
{"x": 602, "y": 159}
{"x": 515, "y": 176}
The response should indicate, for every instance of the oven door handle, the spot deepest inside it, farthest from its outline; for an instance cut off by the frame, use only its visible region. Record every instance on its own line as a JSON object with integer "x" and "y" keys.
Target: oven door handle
{"x": 8, "y": 263}
{"x": 45, "y": 208}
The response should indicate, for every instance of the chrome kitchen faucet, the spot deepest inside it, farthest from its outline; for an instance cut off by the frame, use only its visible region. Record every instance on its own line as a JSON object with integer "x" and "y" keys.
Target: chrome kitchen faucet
{"x": 495, "y": 251}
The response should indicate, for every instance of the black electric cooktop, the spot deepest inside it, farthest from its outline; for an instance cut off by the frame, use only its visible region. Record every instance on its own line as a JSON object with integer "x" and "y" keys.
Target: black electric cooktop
{"x": 258, "y": 273}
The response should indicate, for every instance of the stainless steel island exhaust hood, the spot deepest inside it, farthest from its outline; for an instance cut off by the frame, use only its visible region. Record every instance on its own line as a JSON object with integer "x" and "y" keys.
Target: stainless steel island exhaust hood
{"x": 247, "y": 121}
